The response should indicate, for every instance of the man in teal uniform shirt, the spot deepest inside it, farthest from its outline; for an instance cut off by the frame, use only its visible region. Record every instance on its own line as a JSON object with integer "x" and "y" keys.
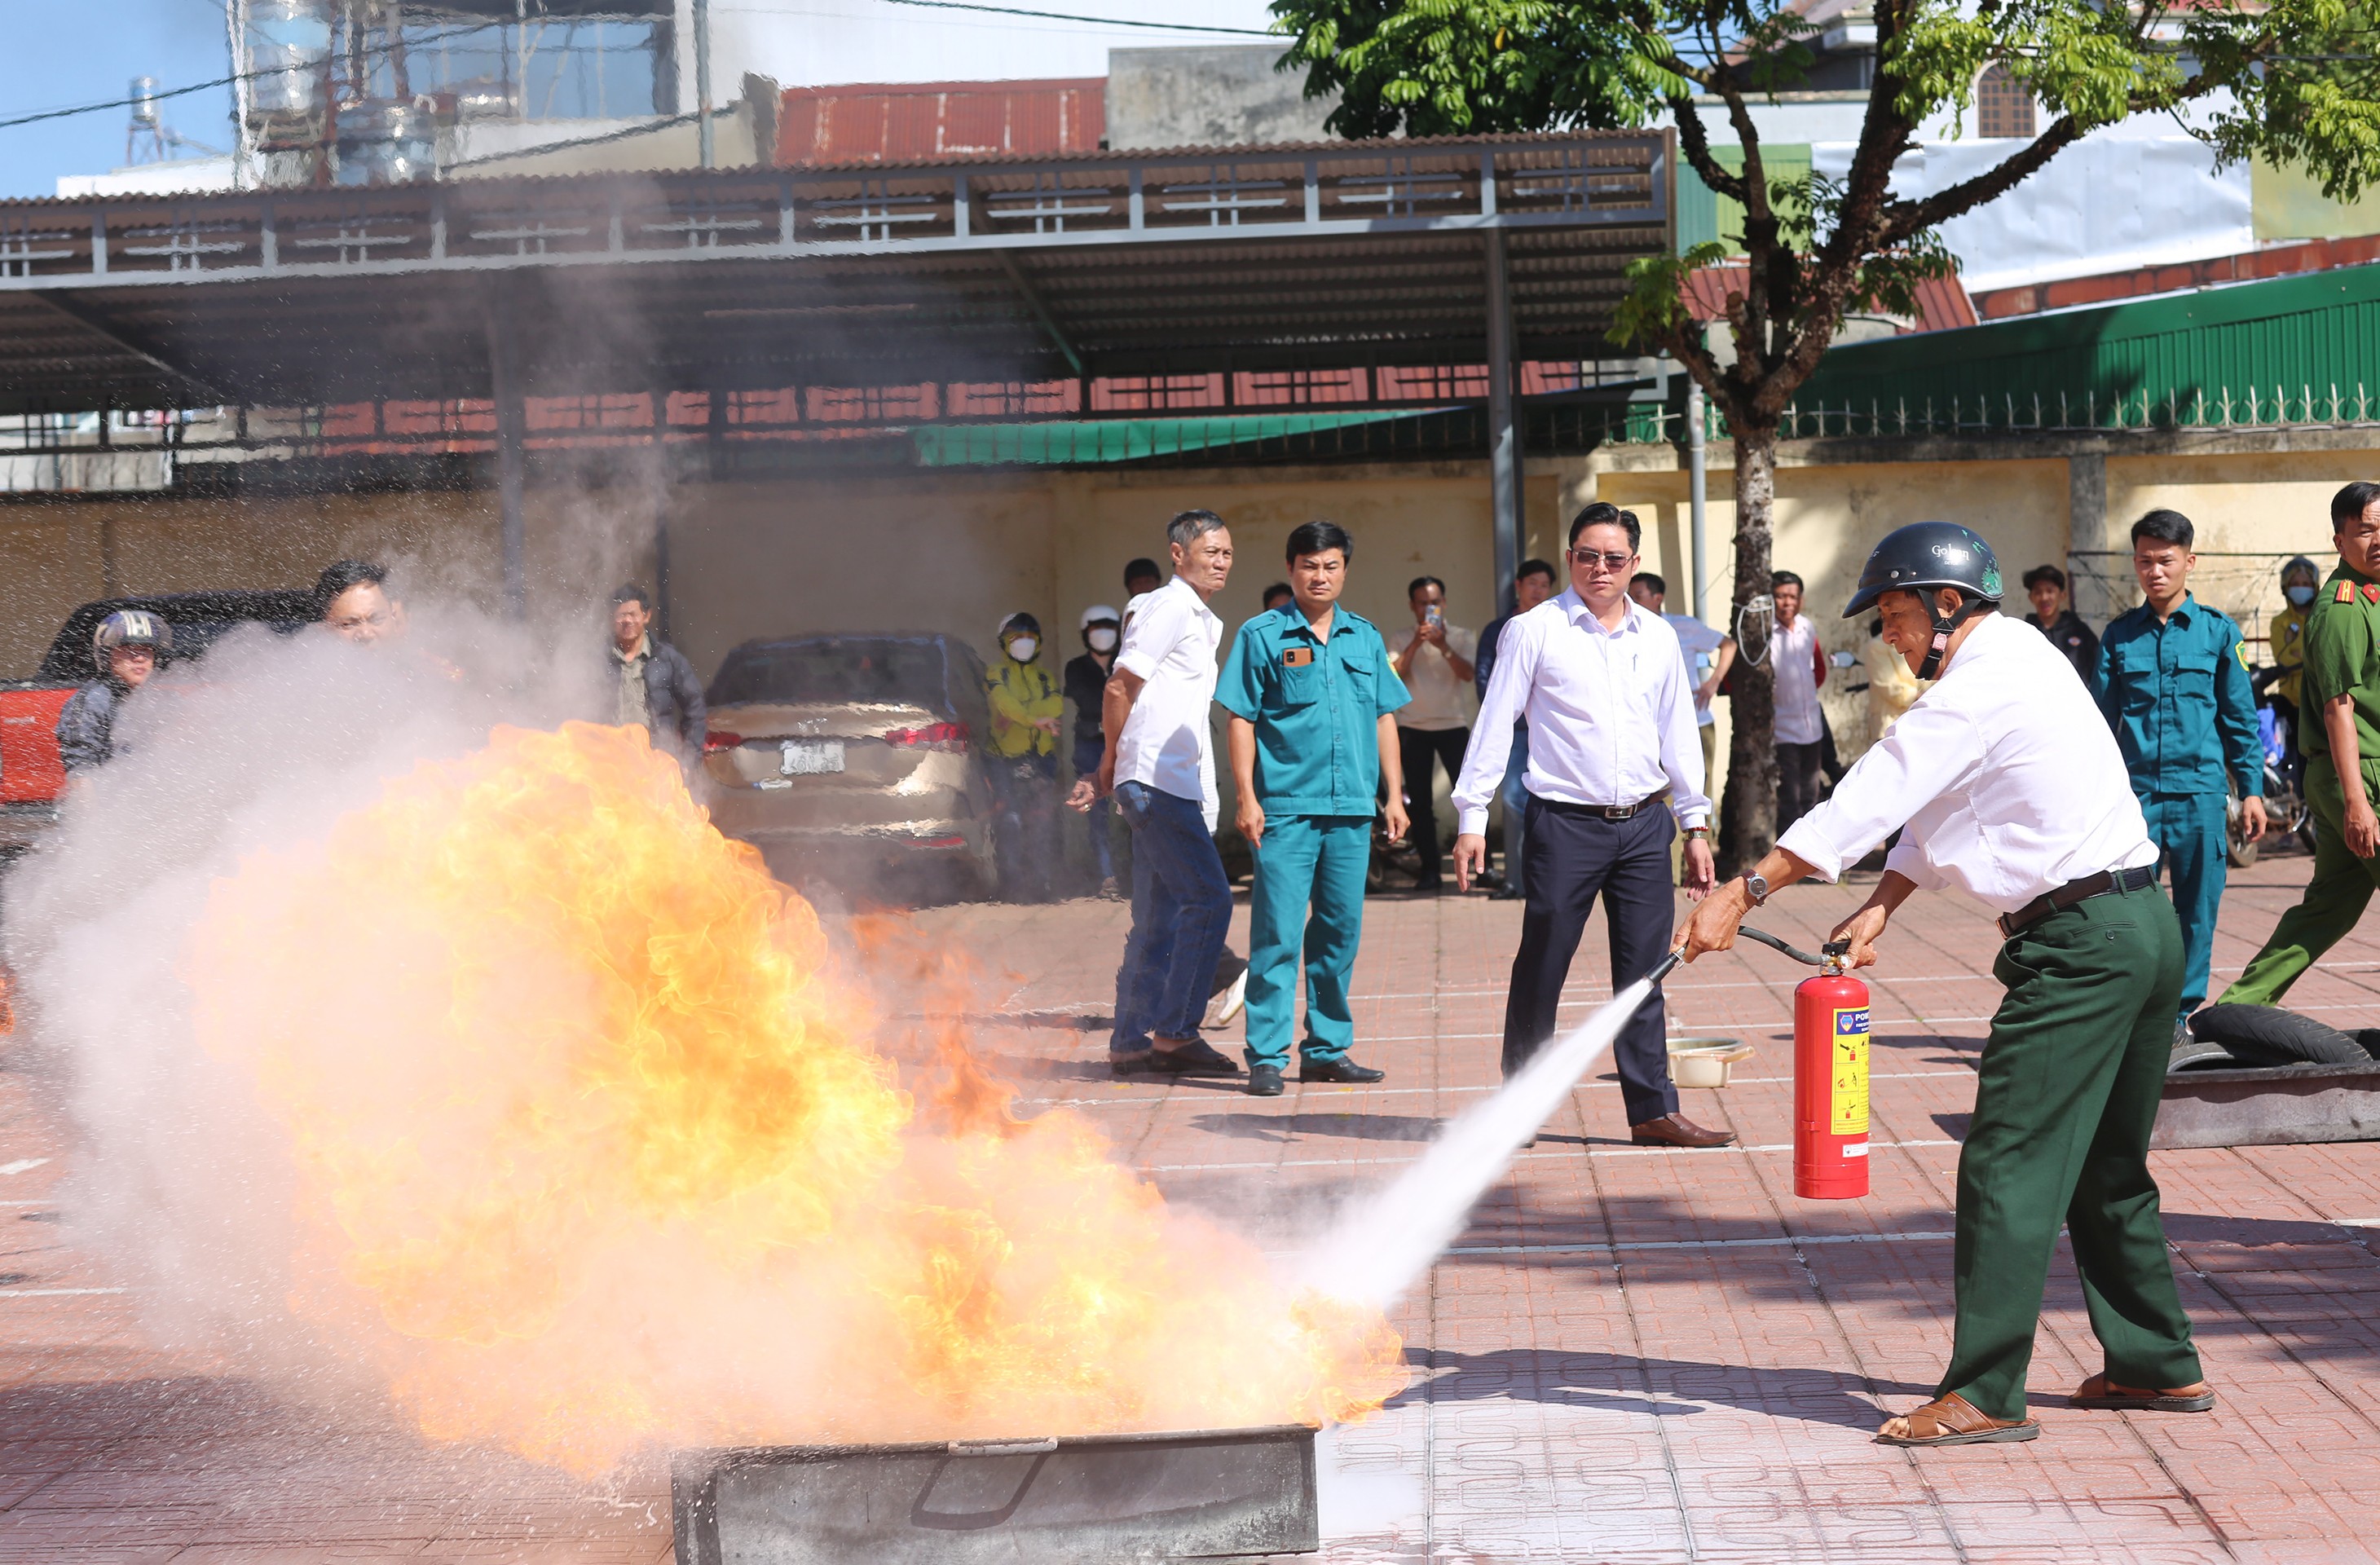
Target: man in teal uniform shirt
{"x": 1309, "y": 689}
{"x": 2174, "y": 686}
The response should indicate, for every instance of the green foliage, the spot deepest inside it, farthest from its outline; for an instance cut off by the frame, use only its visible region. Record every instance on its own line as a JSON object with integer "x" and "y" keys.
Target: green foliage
{"x": 1453, "y": 68}
{"x": 2291, "y": 80}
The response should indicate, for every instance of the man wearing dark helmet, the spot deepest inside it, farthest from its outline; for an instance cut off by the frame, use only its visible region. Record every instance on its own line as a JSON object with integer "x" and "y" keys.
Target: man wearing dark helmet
{"x": 2003, "y": 783}
{"x": 127, "y": 646}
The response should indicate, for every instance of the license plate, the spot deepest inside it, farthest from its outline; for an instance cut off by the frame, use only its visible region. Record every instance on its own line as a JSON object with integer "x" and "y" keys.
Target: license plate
{"x": 808, "y": 758}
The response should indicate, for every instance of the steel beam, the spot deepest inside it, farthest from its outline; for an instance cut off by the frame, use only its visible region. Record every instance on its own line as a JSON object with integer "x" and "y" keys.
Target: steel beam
{"x": 512, "y": 440}
{"x": 89, "y": 320}
{"x": 1041, "y": 312}
{"x": 1503, "y": 429}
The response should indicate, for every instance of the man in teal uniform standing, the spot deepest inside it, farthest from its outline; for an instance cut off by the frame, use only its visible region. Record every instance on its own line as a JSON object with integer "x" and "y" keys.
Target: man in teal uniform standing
{"x": 2174, "y": 686}
{"x": 1309, "y": 688}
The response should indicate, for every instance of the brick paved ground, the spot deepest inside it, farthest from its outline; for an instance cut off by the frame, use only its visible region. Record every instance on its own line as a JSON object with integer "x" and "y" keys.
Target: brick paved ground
{"x": 1632, "y": 1355}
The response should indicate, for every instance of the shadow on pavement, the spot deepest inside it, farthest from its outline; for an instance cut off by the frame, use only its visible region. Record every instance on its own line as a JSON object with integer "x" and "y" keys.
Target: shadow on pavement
{"x": 1288, "y": 1127}
{"x": 1662, "y": 1388}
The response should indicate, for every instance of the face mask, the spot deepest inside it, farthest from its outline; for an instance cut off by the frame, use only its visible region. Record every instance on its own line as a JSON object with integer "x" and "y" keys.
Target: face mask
{"x": 1103, "y": 639}
{"x": 1023, "y": 647}
{"x": 2300, "y": 596}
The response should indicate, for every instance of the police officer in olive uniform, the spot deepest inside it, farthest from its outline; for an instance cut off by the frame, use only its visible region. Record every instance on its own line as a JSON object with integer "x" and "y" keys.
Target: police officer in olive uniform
{"x": 2339, "y": 730}
{"x": 2173, "y": 682}
{"x": 2004, "y": 783}
{"x": 1309, "y": 688}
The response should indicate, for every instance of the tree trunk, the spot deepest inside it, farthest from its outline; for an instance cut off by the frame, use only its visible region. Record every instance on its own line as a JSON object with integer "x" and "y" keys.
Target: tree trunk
{"x": 1747, "y": 816}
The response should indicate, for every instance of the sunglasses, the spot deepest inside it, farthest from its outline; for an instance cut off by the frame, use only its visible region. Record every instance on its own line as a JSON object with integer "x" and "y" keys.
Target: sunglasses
{"x": 1611, "y": 562}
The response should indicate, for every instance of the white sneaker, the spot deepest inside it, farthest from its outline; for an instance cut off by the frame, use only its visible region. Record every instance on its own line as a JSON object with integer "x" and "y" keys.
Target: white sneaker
{"x": 1228, "y": 1004}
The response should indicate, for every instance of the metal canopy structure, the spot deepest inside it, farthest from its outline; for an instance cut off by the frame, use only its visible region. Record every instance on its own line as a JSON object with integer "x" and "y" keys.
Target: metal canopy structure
{"x": 1153, "y": 263}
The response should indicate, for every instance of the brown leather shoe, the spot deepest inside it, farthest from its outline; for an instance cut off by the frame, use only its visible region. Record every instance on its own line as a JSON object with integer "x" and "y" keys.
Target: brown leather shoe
{"x": 1676, "y": 1130}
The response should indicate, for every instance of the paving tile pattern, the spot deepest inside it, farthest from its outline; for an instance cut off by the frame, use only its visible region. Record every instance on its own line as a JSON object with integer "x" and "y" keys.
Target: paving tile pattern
{"x": 1631, "y": 1356}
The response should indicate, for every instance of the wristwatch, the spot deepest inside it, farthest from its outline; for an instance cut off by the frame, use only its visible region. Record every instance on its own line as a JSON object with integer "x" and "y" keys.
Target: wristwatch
{"x": 1698, "y": 832}
{"x": 1756, "y": 888}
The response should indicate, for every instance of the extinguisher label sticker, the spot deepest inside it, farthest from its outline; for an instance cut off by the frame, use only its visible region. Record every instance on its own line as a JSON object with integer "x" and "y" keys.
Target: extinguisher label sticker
{"x": 1850, "y": 1073}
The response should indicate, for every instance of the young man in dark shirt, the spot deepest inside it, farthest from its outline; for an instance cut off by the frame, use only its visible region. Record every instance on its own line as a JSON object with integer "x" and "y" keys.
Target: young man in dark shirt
{"x": 2053, "y": 615}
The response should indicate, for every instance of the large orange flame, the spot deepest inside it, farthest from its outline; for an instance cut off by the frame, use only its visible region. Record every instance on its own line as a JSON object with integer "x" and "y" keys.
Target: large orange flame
{"x": 595, "y": 1148}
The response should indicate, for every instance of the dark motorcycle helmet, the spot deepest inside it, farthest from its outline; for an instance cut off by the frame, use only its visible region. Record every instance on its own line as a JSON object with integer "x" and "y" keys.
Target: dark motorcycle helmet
{"x": 1922, "y": 557}
{"x": 131, "y": 627}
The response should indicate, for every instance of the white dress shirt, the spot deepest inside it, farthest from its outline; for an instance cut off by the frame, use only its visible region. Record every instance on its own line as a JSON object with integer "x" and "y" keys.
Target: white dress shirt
{"x": 1611, "y": 718}
{"x": 1699, "y": 644}
{"x": 1169, "y": 641}
{"x": 1996, "y": 776}
{"x": 1794, "y": 657}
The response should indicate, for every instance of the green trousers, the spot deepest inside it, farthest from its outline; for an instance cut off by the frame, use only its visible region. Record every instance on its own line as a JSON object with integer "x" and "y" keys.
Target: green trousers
{"x": 1308, "y": 894}
{"x": 2067, "y": 1095}
{"x": 2333, "y": 898}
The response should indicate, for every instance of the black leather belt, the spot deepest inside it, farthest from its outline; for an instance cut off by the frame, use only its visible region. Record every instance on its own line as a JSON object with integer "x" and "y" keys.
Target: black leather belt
{"x": 1607, "y": 812}
{"x": 2099, "y": 885}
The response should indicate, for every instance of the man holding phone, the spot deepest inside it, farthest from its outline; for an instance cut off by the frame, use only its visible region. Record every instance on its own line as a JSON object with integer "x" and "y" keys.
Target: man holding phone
{"x": 1434, "y": 659}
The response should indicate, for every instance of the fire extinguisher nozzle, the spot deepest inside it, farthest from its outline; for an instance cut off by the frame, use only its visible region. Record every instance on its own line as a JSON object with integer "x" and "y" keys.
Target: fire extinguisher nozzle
{"x": 1665, "y": 967}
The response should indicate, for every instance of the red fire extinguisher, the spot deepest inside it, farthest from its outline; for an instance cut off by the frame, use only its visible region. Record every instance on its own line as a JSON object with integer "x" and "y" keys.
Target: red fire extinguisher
{"x": 1830, "y": 1030}
{"x": 1830, "y": 1081}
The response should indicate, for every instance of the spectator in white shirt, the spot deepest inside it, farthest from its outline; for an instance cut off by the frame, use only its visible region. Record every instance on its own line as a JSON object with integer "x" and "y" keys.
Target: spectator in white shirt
{"x": 1799, "y": 665}
{"x": 1434, "y": 659}
{"x": 1612, "y": 756}
{"x": 1160, "y": 765}
{"x": 1708, "y": 653}
{"x": 2003, "y": 787}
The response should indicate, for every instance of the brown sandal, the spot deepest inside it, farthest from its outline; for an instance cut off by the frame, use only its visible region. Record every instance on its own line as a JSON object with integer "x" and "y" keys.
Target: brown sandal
{"x": 2103, "y": 1394}
{"x": 1952, "y": 1420}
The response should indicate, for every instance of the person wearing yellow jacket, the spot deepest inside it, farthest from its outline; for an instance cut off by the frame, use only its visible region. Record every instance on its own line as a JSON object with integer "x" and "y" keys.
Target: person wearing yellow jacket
{"x": 1027, "y": 707}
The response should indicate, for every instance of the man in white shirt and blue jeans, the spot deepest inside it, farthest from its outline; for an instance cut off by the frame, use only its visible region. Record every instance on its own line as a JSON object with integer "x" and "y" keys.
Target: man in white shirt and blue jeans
{"x": 1612, "y": 759}
{"x": 2002, "y": 784}
{"x": 1160, "y": 765}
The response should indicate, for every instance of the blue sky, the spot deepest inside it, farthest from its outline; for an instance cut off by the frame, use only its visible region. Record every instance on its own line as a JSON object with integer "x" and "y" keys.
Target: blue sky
{"x": 89, "y": 51}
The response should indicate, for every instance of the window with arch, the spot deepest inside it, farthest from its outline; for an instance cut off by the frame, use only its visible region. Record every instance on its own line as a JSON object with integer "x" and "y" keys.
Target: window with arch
{"x": 2003, "y": 107}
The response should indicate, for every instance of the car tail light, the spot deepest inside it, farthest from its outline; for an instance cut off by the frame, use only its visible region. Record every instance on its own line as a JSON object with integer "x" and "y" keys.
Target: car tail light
{"x": 933, "y": 736}
{"x": 718, "y": 739}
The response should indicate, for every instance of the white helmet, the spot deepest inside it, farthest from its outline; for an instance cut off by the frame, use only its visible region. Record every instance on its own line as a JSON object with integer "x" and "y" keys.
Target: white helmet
{"x": 1097, "y": 612}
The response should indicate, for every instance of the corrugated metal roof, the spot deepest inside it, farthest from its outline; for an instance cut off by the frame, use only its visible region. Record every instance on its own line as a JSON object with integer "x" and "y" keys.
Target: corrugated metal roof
{"x": 900, "y": 122}
{"x": 1942, "y": 303}
{"x": 2171, "y": 359}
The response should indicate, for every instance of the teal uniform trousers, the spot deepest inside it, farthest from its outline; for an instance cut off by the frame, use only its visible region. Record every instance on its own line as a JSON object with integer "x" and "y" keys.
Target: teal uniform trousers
{"x": 1317, "y": 861}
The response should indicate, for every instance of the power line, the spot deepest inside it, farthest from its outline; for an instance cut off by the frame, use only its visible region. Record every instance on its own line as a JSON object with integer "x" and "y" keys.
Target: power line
{"x": 1099, "y": 21}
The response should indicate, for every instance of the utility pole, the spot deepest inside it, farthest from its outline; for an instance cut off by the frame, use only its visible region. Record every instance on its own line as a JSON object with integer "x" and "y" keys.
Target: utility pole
{"x": 1697, "y": 489}
{"x": 702, "y": 79}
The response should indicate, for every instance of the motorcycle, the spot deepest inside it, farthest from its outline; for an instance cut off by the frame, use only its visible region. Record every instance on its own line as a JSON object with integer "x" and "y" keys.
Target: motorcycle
{"x": 2285, "y": 811}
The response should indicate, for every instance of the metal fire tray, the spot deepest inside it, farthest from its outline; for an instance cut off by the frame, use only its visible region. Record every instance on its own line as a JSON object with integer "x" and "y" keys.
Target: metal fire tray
{"x": 2269, "y": 1106}
{"x": 1086, "y": 1501}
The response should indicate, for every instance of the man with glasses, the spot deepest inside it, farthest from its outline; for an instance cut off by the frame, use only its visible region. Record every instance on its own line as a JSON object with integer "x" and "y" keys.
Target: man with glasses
{"x": 1612, "y": 759}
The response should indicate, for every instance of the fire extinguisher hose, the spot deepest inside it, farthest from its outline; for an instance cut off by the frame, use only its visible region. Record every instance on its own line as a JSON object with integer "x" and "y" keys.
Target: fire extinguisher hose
{"x": 1835, "y": 949}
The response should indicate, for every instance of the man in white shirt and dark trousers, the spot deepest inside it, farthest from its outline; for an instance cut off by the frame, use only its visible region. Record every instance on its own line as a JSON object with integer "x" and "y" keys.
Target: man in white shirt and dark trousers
{"x": 2002, "y": 784}
{"x": 1434, "y": 659}
{"x": 1799, "y": 668}
{"x": 1612, "y": 758}
{"x": 1161, "y": 767}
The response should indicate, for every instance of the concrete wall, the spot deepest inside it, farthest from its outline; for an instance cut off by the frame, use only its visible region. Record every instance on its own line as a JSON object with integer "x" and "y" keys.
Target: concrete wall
{"x": 956, "y": 551}
{"x": 1225, "y": 96}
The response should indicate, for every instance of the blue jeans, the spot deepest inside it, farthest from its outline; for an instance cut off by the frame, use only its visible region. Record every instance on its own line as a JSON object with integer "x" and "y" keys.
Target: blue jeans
{"x": 1088, "y": 755}
{"x": 1181, "y": 912}
{"x": 1516, "y": 807}
{"x": 1024, "y": 792}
